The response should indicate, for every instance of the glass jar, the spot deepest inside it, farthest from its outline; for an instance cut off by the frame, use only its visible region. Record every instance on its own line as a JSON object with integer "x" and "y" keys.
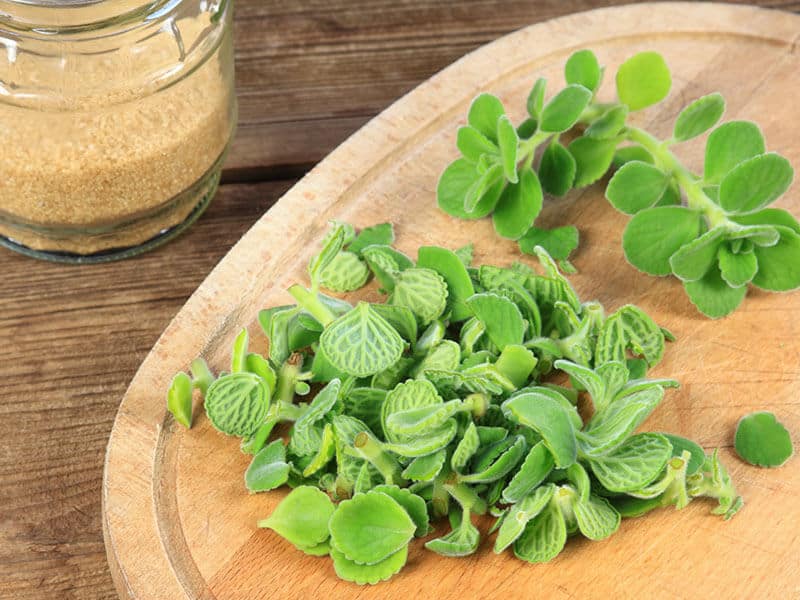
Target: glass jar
{"x": 115, "y": 116}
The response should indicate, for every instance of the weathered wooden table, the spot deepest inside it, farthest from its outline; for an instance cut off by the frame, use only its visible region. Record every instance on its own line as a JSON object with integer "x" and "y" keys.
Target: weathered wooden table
{"x": 71, "y": 338}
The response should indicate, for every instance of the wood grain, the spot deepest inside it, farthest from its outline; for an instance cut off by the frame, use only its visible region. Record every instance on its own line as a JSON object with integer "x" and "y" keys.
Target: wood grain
{"x": 310, "y": 73}
{"x": 71, "y": 338}
{"x": 171, "y": 534}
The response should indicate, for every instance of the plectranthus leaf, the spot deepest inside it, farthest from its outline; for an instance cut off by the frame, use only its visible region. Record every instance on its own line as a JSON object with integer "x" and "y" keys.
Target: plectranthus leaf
{"x": 699, "y": 116}
{"x": 634, "y": 464}
{"x": 370, "y": 527}
{"x": 268, "y": 469}
{"x": 237, "y": 404}
{"x": 629, "y": 329}
{"x": 179, "y": 399}
{"x": 537, "y": 465}
{"x": 583, "y": 68}
{"x": 302, "y": 517}
{"x": 345, "y": 273}
{"x": 423, "y": 291}
{"x": 544, "y": 536}
{"x": 413, "y": 505}
{"x": 462, "y": 541}
{"x": 361, "y": 342}
{"x": 368, "y": 574}
{"x": 520, "y": 514}
{"x": 557, "y": 170}
{"x": 500, "y": 317}
{"x": 501, "y": 466}
{"x": 425, "y": 468}
{"x": 729, "y": 145}
{"x": 596, "y": 518}
{"x": 642, "y": 80}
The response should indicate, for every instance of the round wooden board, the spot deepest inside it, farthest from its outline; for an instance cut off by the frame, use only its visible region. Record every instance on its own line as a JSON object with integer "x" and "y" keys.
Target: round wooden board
{"x": 178, "y": 520}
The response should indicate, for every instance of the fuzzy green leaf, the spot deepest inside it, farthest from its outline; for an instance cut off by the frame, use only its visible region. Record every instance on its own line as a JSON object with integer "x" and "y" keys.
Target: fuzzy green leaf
{"x": 454, "y": 273}
{"x": 179, "y": 399}
{"x": 508, "y": 141}
{"x": 633, "y": 465}
{"x": 636, "y": 186}
{"x": 544, "y": 536}
{"x": 484, "y": 113}
{"x": 762, "y": 440}
{"x": 473, "y": 144}
{"x": 559, "y": 242}
{"x": 361, "y": 342}
{"x": 779, "y": 265}
{"x": 754, "y": 183}
{"x": 537, "y": 465}
{"x": 609, "y": 124}
{"x": 699, "y": 116}
{"x": 736, "y": 269}
{"x": 425, "y": 468}
{"x": 652, "y": 236}
{"x": 370, "y": 527}
{"x": 557, "y": 169}
{"x": 423, "y": 291}
{"x": 596, "y": 518}
{"x": 500, "y": 316}
{"x": 643, "y": 80}
{"x": 712, "y": 295}
{"x": 564, "y": 109}
{"x": 368, "y": 574}
{"x": 728, "y": 145}
{"x": 268, "y": 469}
{"x": 592, "y": 159}
{"x": 582, "y": 68}
{"x": 380, "y": 235}
{"x": 237, "y": 404}
{"x": 519, "y": 205}
{"x": 454, "y": 183}
{"x": 345, "y": 273}
{"x": 302, "y": 517}
{"x": 693, "y": 260}
{"x": 535, "y": 101}
{"x": 549, "y": 419}
{"x": 520, "y": 514}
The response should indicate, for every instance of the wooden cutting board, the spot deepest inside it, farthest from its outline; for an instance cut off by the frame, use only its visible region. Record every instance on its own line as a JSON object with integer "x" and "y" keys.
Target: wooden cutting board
{"x": 178, "y": 520}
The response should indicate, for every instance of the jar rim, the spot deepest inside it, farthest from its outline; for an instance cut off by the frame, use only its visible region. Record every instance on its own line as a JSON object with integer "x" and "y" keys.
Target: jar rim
{"x": 53, "y": 16}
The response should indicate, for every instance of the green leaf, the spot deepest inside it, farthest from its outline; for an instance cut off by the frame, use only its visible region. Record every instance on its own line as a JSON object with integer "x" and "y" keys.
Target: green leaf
{"x": 518, "y": 207}
{"x": 425, "y": 468}
{"x": 654, "y": 235}
{"x": 345, "y": 273}
{"x": 361, "y": 343}
{"x": 629, "y": 329}
{"x": 325, "y": 452}
{"x": 629, "y": 153}
{"x": 559, "y": 242}
{"x": 322, "y": 549}
{"x": 643, "y": 80}
{"x": 484, "y": 113}
{"x": 713, "y": 296}
{"x": 501, "y": 466}
{"x": 693, "y": 260}
{"x": 380, "y": 235}
{"x": 306, "y": 439}
{"x": 754, "y": 183}
{"x": 699, "y": 116}
{"x": 557, "y": 169}
{"x": 537, "y": 465}
{"x": 462, "y": 541}
{"x": 482, "y": 186}
{"x": 302, "y": 517}
{"x": 399, "y": 317}
{"x": 370, "y": 527}
{"x": 423, "y": 291}
{"x": 237, "y": 404}
{"x": 520, "y": 514}
{"x": 179, "y": 399}
{"x": 728, "y": 145}
{"x": 582, "y": 68}
{"x": 239, "y": 352}
{"x": 508, "y": 141}
{"x": 636, "y": 186}
{"x": 549, "y": 419}
{"x": 564, "y": 109}
{"x": 473, "y": 144}
{"x": 609, "y": 429}
{"x": 331, "y": 247}
{"x": 368, "y": 574}
{"x": 680, "y": 445}
{"x": 431, "y": 442}
{"x": 535, "y": 101}
{"x": 413, "y": 505}
{"x": 779, "y": 265}
{"x": 454, "y": 273}
{"x": 769, "y": 216}
{"x": 762, "y": 440}
{"x": 527, "y": 128}
{"x": 629, "y": 507}
{"x": 446, "y": 355}
{"x": 736, "y": 269}
{"x": 454, "y": 183}
{"x": 609, "y": 125}
{"x": 500, "y": 316}
{"x": 592, "y": 159}
{"x": 517, "y": 364}
{"x": 268, "y": 469}
{"x": 634, "y": 464}
{"x": 596, "y": 518}
{"x": 408, "y": 396}
{"x": 465, "y": 253}
{"x": 466, "y": 448}
{"x": 544, "y": 536}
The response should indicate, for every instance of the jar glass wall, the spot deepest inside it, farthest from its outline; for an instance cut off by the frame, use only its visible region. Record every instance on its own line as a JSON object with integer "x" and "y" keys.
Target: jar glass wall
{"x": 115, "y": 117}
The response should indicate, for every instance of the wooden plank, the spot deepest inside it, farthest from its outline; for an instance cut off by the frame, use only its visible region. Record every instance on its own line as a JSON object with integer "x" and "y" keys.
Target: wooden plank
{"x": 71, "y": 339}
{"x": 310, "y": 73}
{"x": 170, "y": 533}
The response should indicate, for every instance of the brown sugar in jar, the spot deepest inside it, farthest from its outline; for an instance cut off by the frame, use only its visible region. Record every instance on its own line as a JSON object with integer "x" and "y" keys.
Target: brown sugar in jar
{"x": 113, "y": 126}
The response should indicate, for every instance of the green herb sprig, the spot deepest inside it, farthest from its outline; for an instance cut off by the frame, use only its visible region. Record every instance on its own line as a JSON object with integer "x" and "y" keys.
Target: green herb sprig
{"x": 715, "y": 231}
{"x": 438, "y": 404}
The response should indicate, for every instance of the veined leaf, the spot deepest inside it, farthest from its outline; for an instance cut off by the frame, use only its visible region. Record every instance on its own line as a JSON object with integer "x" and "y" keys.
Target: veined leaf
{"x": 423, "y": 291}
{"x": 549, "y": 419}
{"x": 544, "y": 536}
{"x": 536, "y": 466}
{"x": 633, "y": 465}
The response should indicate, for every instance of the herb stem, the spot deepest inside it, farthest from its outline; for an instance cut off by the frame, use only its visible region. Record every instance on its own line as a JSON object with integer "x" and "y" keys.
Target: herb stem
{"x": 696, "y": 198}
{"x": 311, "y": 303}
{"x": 370, "y": 449}
{"x": 466, "y": 497}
